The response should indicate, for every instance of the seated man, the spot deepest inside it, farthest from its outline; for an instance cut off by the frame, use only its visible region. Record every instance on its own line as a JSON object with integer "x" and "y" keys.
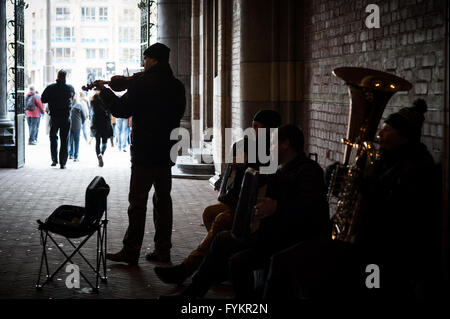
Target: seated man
{"x": 397, "y": 228}
{"x": 219, "y": 217}
{"x": 294, "y": 210}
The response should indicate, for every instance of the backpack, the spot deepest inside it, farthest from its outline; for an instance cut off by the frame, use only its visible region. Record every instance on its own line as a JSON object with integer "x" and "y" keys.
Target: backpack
{"x": 29, "y": 103}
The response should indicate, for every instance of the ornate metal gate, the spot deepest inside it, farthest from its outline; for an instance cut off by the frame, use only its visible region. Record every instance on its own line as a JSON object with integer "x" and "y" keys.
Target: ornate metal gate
{"x": 148, "y": 26}
{"x": 16, "y": 74}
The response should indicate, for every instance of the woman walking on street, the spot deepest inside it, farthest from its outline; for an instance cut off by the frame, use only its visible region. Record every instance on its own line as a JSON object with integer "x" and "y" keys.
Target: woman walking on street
{"x": 101, "y": 127}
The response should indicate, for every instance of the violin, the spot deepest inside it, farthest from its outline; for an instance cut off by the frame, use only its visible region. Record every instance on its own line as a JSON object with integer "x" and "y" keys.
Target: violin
{"x": 117, "y": 83}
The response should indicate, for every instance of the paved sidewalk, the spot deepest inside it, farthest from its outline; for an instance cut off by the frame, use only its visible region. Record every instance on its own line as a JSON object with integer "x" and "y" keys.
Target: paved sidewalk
{"x": 33, "y": 192}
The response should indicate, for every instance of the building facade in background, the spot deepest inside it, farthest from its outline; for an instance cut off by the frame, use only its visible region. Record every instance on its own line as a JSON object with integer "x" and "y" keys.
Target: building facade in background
{"x": 91, "y": 39}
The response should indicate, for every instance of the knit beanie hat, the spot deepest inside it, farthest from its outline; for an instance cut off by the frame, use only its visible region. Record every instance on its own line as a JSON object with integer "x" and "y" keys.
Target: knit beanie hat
{"x": 158, "y": 51}
{"x": 409, "y": 120}
{"x": 268, "y": 118}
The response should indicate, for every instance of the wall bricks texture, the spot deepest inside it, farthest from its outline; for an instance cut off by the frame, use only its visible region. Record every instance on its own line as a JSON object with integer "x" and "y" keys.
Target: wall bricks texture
{"x": 409, "y": 43}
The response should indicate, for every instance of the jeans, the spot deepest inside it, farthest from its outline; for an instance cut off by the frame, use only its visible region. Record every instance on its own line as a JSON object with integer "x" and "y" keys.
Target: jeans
{"x": 74, "y": 143}
{"x": 142, "y": 180}
{"x": 85, "y": 130}
{"x": 61, "y": 125}
{"x": 122, "y": 133}
{"x": 100, "y": 141}
{"x": 33, "y": 128}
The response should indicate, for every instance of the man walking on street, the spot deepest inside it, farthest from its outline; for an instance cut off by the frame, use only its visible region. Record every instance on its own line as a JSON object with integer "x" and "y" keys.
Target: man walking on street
{"x": 33, "y": 111}
{"x": 59, "y": 97}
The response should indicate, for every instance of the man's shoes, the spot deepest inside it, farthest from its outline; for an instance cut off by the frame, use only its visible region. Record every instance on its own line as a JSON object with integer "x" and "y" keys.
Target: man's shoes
{"x": 100, "y": 160}
{"x": 76, "y": 160}
{"x": 157, "y": 256}
{"x": 70, "y": 157}
{"x": 54, "y": 163}
{"x": 172, "y": 275}
{"x": 63, "y": 166}
{"x": 122, "y": 257}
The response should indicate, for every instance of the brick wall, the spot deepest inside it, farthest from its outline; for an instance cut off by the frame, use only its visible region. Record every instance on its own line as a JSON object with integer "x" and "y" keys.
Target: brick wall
{"x": 410, "y": 44}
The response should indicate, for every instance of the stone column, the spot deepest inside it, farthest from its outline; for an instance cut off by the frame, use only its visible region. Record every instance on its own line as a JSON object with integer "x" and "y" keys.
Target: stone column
{"x": 195, "y": 75}
{"x": 6, "y": 126}
{"x": 256, "y": 57}
{"x": 174, "y": 30}
{"x": 270, "y": 65}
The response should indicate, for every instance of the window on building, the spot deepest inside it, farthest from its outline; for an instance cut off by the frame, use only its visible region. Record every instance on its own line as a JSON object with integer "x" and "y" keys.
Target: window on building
{"x": 103, "y": 53}
{"x": 90, "y": 53}
{"x": 103, "y": 14}
{"x": 88, "y": 14}
{"x": 94, "y": 73}
{"x": 62, "y": 13}
{"x": 58, "y": 53}
{"x": 124, "y": 55}
{"x": 64, "y": 53}
{"x": 64, "y": 34}
{"x": 68, "y": 34}
{"x": 127, "y": 34}
{"x": 128, "y": 55}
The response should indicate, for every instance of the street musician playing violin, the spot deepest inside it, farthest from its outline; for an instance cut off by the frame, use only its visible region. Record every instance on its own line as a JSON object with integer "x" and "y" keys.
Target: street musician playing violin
{"x": 156, "y": 100}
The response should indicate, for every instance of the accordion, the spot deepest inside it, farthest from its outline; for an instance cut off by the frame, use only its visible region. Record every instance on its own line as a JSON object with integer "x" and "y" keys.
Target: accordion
{"x": 254, "y": 185}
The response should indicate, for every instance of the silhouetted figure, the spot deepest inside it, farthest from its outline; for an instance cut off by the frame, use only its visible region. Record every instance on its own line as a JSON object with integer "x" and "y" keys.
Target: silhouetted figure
{"x": 294, "y": 209}
{"x": 219, "y": 217}
{"x": 101, "y": 127}
{"x": 77, "y": 119}
{"x": 156, "y": 100}
{"x": 397, "y": 229}
{"x": 59, "y": 97}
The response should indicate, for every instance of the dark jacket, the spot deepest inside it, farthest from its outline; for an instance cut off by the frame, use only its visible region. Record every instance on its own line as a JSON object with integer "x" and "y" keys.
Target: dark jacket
{"x": 59, "y": 97}
{"x": 77, "y": 117}
{"x": 302, "y": 208}
{"x": 399, "y": 213}
{"x": 157, "y": 102}
{"x": 101, "y": 119}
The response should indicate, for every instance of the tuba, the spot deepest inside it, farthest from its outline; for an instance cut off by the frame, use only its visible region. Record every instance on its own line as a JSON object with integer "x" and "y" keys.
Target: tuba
{"x": 370, "y": 91}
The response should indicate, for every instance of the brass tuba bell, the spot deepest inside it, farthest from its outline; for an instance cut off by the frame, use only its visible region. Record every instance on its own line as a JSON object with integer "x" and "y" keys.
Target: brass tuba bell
{"x": 370, "y": 91}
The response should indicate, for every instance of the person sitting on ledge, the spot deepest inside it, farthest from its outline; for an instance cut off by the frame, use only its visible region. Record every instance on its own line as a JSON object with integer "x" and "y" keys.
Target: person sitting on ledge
{"x": 294, "y": 210}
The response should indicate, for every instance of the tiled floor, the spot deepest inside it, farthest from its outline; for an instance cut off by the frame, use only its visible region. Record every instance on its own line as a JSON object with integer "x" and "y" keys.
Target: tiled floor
{"x": 33, "y": 192}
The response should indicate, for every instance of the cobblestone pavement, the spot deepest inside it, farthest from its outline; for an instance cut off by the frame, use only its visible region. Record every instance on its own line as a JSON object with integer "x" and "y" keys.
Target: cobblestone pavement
{"x": 33, "y": 192}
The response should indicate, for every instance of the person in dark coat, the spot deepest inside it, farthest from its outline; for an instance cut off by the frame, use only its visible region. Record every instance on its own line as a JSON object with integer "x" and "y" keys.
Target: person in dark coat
{"x": 59, "y": 97}
{"x": 219, "y": 217}
{"x": 294, "y": 209}
{"x": 101, "y": 127}
{"x": 398, "y": 220}
{"x": 157, "y": 101}
{"x": 395, "y": 252}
